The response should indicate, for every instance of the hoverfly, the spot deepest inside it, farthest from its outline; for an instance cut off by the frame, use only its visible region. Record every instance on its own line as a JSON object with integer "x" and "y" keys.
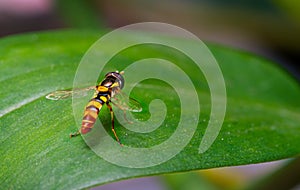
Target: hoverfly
{"x": 108, "y": 91}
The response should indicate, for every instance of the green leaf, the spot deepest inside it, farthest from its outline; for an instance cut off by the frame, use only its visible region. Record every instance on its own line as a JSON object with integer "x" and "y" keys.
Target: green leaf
{"x": 261, "y": 124}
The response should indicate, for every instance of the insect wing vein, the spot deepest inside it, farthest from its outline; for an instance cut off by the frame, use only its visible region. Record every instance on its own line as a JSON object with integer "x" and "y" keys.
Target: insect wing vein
{"x": 124, "y": 102}
{"x": 65, "y": 94}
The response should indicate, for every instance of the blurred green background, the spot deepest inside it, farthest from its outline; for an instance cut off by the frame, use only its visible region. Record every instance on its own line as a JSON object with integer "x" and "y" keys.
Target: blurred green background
{"x": 269, "y": 28}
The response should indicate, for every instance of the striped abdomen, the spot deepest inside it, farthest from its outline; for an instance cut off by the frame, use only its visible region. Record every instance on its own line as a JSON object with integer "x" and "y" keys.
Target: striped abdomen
{"x": 90, "y": 115}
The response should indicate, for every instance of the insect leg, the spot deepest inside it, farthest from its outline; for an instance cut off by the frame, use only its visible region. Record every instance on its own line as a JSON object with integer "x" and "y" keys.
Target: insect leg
{"x": 113, "y": 122}
{"x": 124, "y": 112}
{"x": 75, "y": 134}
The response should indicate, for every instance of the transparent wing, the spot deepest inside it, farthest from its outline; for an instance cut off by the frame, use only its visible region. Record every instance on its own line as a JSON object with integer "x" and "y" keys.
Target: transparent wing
{"x": 65, "y": 94}
{"x": 122, "y": 101}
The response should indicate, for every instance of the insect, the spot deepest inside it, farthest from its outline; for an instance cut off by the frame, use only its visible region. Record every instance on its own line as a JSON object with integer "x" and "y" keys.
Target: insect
{"x": 108, "y": 91}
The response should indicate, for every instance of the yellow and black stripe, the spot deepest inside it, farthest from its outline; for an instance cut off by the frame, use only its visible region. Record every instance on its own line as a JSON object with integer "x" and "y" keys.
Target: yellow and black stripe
{"x": 112, "y": 81}
{"x": 90, "y": 115}
{"x": 92, "y": 109}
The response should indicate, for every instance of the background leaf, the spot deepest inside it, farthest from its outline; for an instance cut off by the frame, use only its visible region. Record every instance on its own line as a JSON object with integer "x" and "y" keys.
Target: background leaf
{"x": 261, "y": 124}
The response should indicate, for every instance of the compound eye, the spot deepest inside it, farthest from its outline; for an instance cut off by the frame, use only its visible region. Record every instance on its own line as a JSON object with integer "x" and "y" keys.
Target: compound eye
{"x": 121, "y": 81}
{"x": 118, "y": 76}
